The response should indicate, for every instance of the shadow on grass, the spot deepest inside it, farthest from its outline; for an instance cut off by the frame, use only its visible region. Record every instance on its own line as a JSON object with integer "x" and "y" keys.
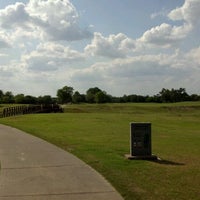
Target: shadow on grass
{"x": 167, "y": 162}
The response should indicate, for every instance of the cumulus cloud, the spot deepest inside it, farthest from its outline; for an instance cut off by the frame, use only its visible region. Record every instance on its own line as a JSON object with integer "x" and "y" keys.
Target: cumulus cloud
{"x": 5, "y": 72}
{"x": 5, "y": 42}
{"x": 114, "y": 46}
{"x": 149, "y": 72}
{"x": 37, "y": 37}
{"x": 14, "y": 15}
{"x": 193, "y": 57}
{"x": 161, "y": 13}
{"x": 50, "y": 56}
{"x": 164, "y": 35}
{"x": 189, "y": 12}
{"x": 58, "y": 19}
{"x": 53, "y": 19}
{"x": 167, "y": 35}
{"x": 134, "y": 66}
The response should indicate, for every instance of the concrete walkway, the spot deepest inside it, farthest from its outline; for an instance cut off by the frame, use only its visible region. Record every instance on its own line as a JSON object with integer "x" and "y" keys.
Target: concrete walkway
{"x": 32, "y": 169}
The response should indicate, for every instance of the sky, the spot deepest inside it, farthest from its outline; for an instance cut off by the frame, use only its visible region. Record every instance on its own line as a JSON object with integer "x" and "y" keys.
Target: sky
{"x": 122, "y": 47}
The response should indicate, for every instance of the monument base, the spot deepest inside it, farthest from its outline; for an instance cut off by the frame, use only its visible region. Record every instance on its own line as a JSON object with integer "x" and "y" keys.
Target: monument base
{"x": 130, "y": 157}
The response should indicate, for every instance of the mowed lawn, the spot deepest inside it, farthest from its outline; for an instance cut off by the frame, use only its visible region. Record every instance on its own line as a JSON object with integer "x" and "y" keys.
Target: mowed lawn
{"x": 99, "y": 135}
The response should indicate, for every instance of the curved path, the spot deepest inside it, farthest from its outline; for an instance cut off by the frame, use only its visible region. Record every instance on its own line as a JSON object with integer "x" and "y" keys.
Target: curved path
{"x": 32, "y": 169}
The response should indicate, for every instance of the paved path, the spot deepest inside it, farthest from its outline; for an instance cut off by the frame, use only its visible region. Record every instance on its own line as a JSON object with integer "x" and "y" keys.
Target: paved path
{"x": 32, "y": 169}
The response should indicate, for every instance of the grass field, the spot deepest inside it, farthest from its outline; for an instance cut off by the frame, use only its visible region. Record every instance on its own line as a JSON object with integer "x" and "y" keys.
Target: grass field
{"x": 99, "y": 135}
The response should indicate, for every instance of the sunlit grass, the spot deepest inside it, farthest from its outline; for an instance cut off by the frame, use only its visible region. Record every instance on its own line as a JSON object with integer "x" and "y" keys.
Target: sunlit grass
{"x": 99, "y": 135}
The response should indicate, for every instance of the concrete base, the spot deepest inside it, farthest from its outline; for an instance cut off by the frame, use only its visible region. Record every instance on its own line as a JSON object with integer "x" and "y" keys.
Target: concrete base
{"x": 130, "y": 157}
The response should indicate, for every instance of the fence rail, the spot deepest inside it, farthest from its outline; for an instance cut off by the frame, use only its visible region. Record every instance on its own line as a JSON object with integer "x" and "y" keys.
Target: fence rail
{"x": 30, "y": 109}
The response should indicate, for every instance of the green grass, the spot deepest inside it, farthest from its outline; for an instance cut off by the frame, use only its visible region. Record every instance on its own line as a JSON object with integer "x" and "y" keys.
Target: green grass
{"x": 99, "y": 135}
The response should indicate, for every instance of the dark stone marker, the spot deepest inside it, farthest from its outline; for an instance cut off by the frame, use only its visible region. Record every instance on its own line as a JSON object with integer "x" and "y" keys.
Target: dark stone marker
{"x": 140, "y": 142}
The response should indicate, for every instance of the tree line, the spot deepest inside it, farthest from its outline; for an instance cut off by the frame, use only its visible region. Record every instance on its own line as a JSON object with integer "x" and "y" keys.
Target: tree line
{"x": 96, "y": 95}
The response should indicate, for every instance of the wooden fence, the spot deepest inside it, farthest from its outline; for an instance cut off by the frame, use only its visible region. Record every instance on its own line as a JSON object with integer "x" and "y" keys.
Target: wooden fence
{"x": 30, "y": 109}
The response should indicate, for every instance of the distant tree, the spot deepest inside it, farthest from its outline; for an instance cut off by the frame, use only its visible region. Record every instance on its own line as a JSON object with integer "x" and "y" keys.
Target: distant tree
{"x": 65, "y": 94}
{"x": 173, "y": 95}
{"x": 96, "y": 95}
{"x": 141, "y": 98}
{"x": 181, "y": 95}
{"x": 114, "y": 99}
{"x": 102, "y": 97}
{"x": 8, "y": 97}
{"x": 1, "y": 96}
{"x": 47, "y": 99}
{"x": 20, "y": 98}
{"x": 133, "y": 98}
{"x": 194, "y": 97}
{"x": 149, "y": 99}
{"x": 90, "y": 94}
{"x": 165, "y": 95}
{"x": 125, "y": 99}
{"x": 78, "y": 98}
{"x": 156, "y": 98}
{"x": 28, "y": 99}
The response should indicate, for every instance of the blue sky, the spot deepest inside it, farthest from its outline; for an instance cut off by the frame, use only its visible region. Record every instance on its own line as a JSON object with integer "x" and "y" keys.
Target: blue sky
{"x": 122, "y": 47}
{"x": 131, "y": 17}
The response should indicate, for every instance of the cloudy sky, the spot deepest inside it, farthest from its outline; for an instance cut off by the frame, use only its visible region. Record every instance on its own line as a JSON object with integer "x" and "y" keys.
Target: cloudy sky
{"x": 122, "y": 47}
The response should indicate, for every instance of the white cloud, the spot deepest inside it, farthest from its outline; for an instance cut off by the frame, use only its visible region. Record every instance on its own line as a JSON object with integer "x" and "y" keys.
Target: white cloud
{"x": 58, "y": 19}
{"x": 114, "y": 46}
{"x": 164, "y": 35}
{"x": 50, "y": 56}
{"x": 167, "y": 35}
{"x": 145, "y": 74}
{"x": 145, "y": 65}
{"x": 189, "y": 12}
{"x": 14, "y": 15}
{"x": 161, "y": 13}
{"x": 193, "y": 57}
{"x": 37, "y": 55}
{"x": 5, "y": 72}
{"x": 51, "y": 19}
{"x": 4, "y": 40}
{"x": 3, "y": 55}
{"x": 3, "y": 43}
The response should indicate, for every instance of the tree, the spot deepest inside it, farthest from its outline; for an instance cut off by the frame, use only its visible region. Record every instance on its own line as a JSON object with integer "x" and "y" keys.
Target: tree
{"x": 8, "y": 97}
{"x": 181, "y": 95}
{"x": 28, "y": 99}
{"x": 65, "y": 94}
{"x": 165, "y": 95}
{"x": 1, "y": 96}
{"x": 102, "y": 97}
{"x": 194, "y": 97}
{"x": 78, "y": 98}
{"x": 173, "y": 95}
{"x": 19, "y": 98}
{"x": 47, "y": 99}
{"x": 90, "y": 94}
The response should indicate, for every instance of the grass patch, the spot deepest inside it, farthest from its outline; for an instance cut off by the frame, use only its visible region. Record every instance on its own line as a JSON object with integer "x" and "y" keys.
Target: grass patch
{"x": 99, "y": 135}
